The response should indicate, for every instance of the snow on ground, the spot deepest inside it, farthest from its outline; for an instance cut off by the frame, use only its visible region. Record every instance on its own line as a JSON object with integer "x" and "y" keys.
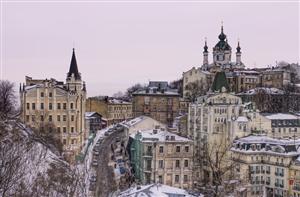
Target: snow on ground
{"x": 86, "y": 165}
{"x": 155, "y": 190}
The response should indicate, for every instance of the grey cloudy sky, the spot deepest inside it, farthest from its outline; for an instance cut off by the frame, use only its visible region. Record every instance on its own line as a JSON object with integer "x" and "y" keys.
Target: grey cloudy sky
{"x": 122, "y": 43}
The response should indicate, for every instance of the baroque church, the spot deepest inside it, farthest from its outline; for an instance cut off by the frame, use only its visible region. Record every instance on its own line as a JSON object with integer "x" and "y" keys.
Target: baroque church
{"x": 222, "y": 56}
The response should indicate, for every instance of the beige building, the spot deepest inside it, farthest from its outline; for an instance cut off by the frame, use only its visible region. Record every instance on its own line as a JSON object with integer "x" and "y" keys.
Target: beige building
{"x": 159, "y": 156}
{"x": 264, "y": 165}
{"x": 157, "y": 101}
{"x": 275, "y": 78}
{"x": 141, "y": 123}
{"x": 61, "y": 105}
{"x": 197, "y": 76}
{"x": 113, "y": 110}
{"x": 277, "y": 125}
{"x": 294, "y": 178}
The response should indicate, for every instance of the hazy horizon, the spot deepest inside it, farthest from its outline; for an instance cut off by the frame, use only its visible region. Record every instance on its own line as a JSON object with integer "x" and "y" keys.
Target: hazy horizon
{"x": 120, "y": 44}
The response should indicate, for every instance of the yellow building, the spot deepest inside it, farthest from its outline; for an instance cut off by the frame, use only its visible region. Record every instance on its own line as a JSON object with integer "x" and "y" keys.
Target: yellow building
{"x": 61, "y": 105}
{"x": 113, "y": 110}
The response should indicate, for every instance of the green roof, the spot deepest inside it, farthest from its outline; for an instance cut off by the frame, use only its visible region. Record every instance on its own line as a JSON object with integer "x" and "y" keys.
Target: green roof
{"x": 219, "y": 82}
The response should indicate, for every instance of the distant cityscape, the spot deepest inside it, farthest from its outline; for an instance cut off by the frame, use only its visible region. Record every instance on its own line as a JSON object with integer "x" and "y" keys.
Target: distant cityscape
{"x": 222, "y": 129}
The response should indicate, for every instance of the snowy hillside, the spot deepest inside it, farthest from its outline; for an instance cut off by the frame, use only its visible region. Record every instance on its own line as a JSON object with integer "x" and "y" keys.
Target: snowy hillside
{"x": 30, "y": 168}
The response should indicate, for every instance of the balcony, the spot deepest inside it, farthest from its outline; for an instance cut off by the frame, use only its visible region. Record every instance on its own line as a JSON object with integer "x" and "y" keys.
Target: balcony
{"x": 148, "y": 154}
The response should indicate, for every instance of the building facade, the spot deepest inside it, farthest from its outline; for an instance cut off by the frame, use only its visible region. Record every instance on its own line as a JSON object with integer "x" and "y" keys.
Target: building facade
{"x": 93, "y": 122}
{"x": 113, "y": 110}
{"x": 157, "y": 101}
{"x": 158, "y": 156}
{"x": 58, "y": 104}
{"x": 264, "y": 165}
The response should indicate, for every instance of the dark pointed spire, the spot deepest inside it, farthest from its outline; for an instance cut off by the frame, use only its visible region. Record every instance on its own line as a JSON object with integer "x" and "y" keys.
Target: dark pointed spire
{"x": 205, "y": 46}
{"x": 238, "y": 48}
{"x": 73, "y": 67}
{"x": 222, "y": 36}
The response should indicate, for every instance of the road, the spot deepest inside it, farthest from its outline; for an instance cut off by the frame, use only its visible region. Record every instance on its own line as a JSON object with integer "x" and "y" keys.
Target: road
{"x": 105, "y": 174}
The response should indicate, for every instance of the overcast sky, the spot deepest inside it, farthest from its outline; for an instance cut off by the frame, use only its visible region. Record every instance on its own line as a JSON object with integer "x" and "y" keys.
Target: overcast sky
{"x": 119, "y": 44}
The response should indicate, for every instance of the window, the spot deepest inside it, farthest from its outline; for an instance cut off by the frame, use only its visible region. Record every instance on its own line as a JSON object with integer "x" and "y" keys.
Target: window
{"x": 176, "y": 178}
{"x": 58, "y": 129}
{"x": 71, "y": 105}
{"x": 50, "y": 106}
{"x": 177, "y": 164}
{"x": 33, "y": 106}
{"x": 64, "y": 105}
{"x": 72, "y": 141}
{"x": 33, "y": 118}
{"x": 64, "y": 118}
{"x": 27, "y": 105}
{"x": 65, "y": 129}
{"x": 72, "y": 118}
{"x": 58, "y": 106}
{"x": 27, "y": 118}
{"x": 50, "y": 94}
{"x": 58, "y": 118}
{"x": 50, "y": 118}
{"x": 161, "y": 149}
{"x": 160, "y": 179}
{"x": 161, "y": 163}
{"x": 177, "y": 149}
{"x": 72, "y": 129}
{"x": 42, "y": 105}
{"x": 64, "y": 141}
{"x": 42, "y": 94}
{"x": 42, "y": 118}
{"x": 186, "y": 149}
{"x": 185, "y": 178}
{"x": 186, "y": 163}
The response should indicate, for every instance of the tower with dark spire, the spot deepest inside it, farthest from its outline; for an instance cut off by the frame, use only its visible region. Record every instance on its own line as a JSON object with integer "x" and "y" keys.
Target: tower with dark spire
{"x": 222, "y": 50}
{"x": 205, "y": 53}
{"x": 238, "y": 54}
{"x": 74, "y": 82}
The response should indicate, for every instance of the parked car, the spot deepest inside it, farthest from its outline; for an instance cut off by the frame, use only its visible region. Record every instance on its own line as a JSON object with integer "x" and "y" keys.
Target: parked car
{"x": 95, "y": 162}
{"x": 106, "y": 134}
{"x": 118, "y": 139}
{"x": 110, "y": 130}
{"x": 93, "y": 178}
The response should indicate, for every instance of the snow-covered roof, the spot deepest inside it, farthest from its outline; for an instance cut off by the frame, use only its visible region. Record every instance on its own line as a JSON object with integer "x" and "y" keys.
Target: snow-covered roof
{"x": 90, "y": 114}
{"x": 155, "y": 190}
{"x": 118, "y": 101}
{"x": 280, "y": 116}
{"x": 242, "y": 119}
{"x": 266, "y": 90}
{"x": 160, "y": 135}
{"x": 131, "y": 123}
{"x": 258, "y": 139}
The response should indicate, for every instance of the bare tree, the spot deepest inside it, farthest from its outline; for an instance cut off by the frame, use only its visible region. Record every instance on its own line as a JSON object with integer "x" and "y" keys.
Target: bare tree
{"x": 195, "y": 89}
{"x": 7, "y": 100}
{"x": 219, "y": 165}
